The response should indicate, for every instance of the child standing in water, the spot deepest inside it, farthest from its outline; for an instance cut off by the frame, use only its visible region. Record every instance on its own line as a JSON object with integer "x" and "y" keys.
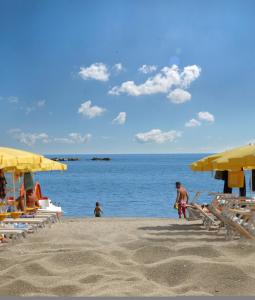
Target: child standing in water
{"x": 98, "y": 211}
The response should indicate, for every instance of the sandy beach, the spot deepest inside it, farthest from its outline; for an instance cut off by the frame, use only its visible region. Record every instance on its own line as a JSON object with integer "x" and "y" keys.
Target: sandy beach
{"x": 127, "y": 257}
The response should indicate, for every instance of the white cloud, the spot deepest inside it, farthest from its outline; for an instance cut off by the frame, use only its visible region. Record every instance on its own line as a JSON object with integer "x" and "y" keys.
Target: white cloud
{"x": 120, "y": 119}
{"x": 38, "y": 105}
{"x": 29, "y": 109}
{"x": 29, "y": 139}
{"x": 10, "y": 99}
{"x": 41, "y": 103}
{"x": 13, "y": 99}
{"x": 189, "y": 74}
{"x": 74, "y": 138}
{"x": 206, "y": 116}
{"x": 118, "y": 67}
{"x": 157, "y": 136}
{"x": 192, "y": 123}
{"x": 161, "y": 82}
{"x": 86, "y": 109}
{"x": 64, "y": 140}
{"x": 147, "y": 69}
{"x": 179, "y": 96}
{"x": 78, "y": 138}
{"x": 97, "y": 71}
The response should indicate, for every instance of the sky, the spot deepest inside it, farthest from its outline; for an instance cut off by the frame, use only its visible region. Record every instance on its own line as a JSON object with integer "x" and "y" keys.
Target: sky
{"x": 175, "y": 76}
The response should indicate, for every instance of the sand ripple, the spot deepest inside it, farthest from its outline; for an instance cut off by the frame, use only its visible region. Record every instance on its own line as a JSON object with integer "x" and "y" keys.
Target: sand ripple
{"x": 140, "y": 257}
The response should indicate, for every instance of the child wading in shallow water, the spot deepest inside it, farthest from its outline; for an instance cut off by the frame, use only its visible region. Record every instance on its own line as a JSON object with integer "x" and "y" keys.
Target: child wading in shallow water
{"x": 98, "y": 211}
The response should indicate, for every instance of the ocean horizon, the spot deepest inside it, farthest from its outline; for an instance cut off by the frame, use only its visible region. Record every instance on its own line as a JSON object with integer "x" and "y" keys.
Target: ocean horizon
{"x": 130, "y": 185}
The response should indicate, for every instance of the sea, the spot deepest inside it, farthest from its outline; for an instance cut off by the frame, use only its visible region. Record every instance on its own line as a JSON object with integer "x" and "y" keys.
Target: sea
{"x": 126, "y": 186}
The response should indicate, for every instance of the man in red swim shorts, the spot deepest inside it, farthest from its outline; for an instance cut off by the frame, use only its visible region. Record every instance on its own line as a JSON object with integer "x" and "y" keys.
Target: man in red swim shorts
{"x": 182, "y": 199}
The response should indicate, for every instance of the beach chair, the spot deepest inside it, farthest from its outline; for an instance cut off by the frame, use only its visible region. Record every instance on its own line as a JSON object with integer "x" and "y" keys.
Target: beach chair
{"x": 235, "y": 214}
{"x": 208, "y": 220}
{"x": 52, "y": 216}
{"x": 193, "y": 214}
{"x": 239, "y": 221}
{"x": 35, "y": 222}
{"x": 12, "y": 233}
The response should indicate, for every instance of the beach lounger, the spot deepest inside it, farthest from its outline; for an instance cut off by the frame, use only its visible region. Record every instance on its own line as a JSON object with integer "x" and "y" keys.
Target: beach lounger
{"x": 56, "y": 214}
{"x": 242, "y": 219}
{"x": 208, "y": 221}
{"x": 193, "y": 214}
{"x": 35, "y": 222}
{"x": 13, "y": 233}
{"x": 234, "y": 213}
{"x": 51, "y": 216}
{"x": 217, "y": 213}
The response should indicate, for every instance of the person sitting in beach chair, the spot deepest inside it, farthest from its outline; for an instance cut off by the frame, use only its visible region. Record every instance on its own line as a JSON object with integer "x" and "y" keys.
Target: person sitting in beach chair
{"x": 31, "y": 201}
{"x": 182, "y": 199}
{"x": 205, "y": 208}
{"x": 98, "y": 210}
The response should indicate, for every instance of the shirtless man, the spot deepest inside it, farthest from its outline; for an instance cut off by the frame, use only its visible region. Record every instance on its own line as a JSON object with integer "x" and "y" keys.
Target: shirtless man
{"x": 182, "y": 199}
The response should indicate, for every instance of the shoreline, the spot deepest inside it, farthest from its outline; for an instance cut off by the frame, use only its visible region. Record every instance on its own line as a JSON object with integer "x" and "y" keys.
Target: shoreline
{"x": 127, "y": 257}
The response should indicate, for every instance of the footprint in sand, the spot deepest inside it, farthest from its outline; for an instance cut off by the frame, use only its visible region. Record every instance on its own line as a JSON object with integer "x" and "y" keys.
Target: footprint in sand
{"x": 77, "y": 258}
{"x": 65, "y": 290}
{"x": 202, "y": 251}
{"x": 18, "y": 287}
{"x": 36, "y": 269}
{"x": 91, "y": 279}
{"x": 213, "y": 278}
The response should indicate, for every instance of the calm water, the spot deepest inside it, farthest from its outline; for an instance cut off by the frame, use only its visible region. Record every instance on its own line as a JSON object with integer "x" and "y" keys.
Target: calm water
{"x": 127, "y": 186}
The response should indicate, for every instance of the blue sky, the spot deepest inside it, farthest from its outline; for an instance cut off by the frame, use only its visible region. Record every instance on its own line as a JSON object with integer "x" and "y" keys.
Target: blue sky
{"x": 127, "y": 76}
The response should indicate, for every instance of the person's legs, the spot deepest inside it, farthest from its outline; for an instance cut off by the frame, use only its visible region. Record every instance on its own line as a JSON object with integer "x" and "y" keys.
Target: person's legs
{"x": 179, "y": 211}
{"x": 184, "y": 211}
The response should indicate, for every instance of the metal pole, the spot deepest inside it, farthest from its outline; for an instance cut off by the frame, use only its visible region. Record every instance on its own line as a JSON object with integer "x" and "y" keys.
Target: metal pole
{"x": 251, "y": 183}
{"x": 25, "y": 194}
{"x": 13, "y": 183}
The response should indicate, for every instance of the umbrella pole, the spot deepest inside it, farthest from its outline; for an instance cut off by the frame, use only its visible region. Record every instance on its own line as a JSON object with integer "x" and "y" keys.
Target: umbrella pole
{"x": 25, "y": 194}
{"x": 251, "y": 183}
{"x": 13, "y": 184}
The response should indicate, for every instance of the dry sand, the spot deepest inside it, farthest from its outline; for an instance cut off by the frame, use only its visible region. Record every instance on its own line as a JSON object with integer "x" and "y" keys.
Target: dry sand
{"x": 127, "y": 257}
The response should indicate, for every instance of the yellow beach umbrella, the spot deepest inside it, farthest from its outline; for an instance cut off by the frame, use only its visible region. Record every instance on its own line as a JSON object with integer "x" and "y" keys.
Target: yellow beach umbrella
{"x": 11, "y": 157}
{"x": 7, "y": 161}
{"x": 23, "y": 161}
{"x": 50, "y": 165}
{"x": 237, "y": 159}
{"x": 204, "y": 164}
{"x": 234, "y": 159}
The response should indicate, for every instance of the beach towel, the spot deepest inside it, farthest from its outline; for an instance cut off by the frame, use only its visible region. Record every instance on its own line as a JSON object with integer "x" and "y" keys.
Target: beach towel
{"x": 28, "y": 181}
{"x": 3, "y": 184}
{"x": 235, "y": 179}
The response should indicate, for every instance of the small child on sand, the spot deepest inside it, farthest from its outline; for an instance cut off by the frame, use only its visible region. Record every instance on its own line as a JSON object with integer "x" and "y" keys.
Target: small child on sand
{"x": 98, "y": 211}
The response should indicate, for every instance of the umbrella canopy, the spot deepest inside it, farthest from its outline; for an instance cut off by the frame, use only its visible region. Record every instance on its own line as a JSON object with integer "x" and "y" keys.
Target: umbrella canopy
{"x": 239, "y": 158}
{"x": 233, "y": 160}
{"x": 50, "y": 165}
{"x": 23, "y": 161}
